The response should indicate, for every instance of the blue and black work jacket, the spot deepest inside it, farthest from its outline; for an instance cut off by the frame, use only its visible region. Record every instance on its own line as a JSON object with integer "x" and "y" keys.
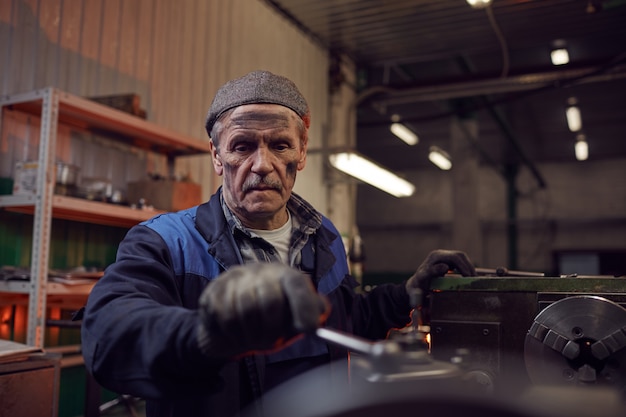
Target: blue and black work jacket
{"x": 139, "y": 329}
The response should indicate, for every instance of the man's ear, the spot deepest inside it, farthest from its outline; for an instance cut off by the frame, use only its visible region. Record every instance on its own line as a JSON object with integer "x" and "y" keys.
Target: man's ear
{"x": 302, "y": 160}
{"x": 216, "y": 159}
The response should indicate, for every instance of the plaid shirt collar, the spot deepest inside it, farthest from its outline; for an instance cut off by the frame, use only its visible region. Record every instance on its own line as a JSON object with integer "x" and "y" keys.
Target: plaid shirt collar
{"x": 306, "y": 221}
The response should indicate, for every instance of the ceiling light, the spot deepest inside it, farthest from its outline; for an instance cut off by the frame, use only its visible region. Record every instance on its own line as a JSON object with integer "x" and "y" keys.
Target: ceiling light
{"x": 559, "y": 56}
{"x": 440, "y": 158}
{"x": 371, "y": 173}
{"x": 404, "y": 133}
{"x": 581, "y": 148}
{"x": 479, "y": 4}
{"x": 572, "y": 113}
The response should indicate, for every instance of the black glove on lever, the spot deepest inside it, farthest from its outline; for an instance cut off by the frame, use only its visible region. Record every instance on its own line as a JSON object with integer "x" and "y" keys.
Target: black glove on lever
{"x": 257, "y": 307}
{"x": 436, "y": 264}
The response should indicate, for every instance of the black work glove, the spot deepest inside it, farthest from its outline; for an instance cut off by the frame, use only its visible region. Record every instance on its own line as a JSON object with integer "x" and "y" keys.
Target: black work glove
{"x": 436, "y": 264}
{"x": 257, "y": 307}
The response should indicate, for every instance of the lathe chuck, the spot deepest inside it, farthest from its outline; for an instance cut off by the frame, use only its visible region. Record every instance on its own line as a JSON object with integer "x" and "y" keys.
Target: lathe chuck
{"x": 578, "y": 340}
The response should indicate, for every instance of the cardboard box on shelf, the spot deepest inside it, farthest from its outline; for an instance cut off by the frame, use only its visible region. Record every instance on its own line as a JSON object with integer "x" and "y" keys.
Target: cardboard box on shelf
{"x": 166, "y": 195}
{"x": 128, "y": 103}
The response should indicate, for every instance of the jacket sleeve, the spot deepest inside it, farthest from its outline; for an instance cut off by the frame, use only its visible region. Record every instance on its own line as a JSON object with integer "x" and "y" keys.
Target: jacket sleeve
{"x": 374, "y": 314}
{"x": 137, "y": 337}
{"x": 370, "y": 315}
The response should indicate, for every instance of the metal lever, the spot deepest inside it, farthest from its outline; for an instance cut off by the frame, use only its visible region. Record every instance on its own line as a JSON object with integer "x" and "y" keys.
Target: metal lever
{"x": 346, "y": 341}
{"x": 376, "y": 349}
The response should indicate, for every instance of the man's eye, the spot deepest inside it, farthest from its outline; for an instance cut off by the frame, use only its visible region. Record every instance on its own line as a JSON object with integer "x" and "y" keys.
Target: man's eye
{"x": 281, "y": 146}
{"x": 242, "y": 147}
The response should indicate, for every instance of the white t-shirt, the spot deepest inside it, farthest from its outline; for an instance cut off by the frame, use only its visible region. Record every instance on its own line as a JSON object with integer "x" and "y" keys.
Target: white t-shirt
{"x": 279, "y": 238}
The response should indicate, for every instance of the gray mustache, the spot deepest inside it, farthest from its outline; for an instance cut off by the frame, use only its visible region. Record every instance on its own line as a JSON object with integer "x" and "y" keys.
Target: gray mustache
{"x": 256, "y": 180}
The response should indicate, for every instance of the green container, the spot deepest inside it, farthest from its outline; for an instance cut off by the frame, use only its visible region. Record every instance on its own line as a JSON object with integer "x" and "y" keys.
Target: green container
{"x": 6, "y": 186}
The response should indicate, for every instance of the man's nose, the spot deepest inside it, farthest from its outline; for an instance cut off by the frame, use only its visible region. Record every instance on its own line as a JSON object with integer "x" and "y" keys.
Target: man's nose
{"x": 262, "y": 160}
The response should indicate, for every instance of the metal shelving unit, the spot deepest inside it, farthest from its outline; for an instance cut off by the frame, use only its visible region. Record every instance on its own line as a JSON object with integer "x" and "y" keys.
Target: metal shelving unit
{"x": 77, "y": 209}
{"x": 57, "y": 107}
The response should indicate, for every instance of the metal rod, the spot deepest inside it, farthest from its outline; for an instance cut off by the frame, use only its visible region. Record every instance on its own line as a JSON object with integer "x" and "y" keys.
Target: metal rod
{"x": 501, "y": 272}
{"x": 344, "y": 340}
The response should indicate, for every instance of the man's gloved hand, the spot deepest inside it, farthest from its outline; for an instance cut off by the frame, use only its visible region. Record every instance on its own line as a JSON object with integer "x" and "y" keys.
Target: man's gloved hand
{"x": 436, "y": 264}
{"x": 257, "y": 307}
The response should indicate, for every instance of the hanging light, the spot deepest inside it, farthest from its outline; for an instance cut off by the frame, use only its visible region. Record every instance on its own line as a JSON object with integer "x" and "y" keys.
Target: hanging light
{"x": 371, "y": 173}
{"x": 559, "y": 56}
{"x": 403, "y": 132}
{"x": 572, "y": 113}
{"x": 581, "y": 148}
{"x": 440, "y": 158}
{"x": 479, "y": 4}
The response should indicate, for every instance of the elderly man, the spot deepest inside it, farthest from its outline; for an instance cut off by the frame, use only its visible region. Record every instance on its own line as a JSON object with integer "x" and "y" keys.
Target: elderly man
{"x": 206, "y": 309}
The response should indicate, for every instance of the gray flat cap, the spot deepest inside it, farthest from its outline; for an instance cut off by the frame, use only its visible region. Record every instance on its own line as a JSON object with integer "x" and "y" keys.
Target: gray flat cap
{"x": 254, "y": 88}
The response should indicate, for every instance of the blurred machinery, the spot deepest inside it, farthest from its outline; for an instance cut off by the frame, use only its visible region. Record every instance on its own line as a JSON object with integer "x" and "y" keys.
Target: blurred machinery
{"x": 502, "y": 345}
{"x": 519, "y": 331}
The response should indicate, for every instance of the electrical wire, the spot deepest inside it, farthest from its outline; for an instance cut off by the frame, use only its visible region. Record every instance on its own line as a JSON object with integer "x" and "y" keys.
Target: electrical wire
{"x": 501, "y": 39}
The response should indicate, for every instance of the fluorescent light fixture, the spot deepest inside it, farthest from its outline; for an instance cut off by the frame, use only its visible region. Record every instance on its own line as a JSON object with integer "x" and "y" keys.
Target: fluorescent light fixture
{"x": 440, "y": 158}
{"x": 479, "y": 4}
{"x": 371, "y": 173}
{"x": 581, "y": 148}
{"x": 404, "y": 133}
{"x": 559, "y": 56}
{"x": 572, "y": 112}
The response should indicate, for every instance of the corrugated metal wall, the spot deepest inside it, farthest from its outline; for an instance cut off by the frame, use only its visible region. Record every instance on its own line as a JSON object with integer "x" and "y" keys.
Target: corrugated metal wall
{"x": 174, "y": 54}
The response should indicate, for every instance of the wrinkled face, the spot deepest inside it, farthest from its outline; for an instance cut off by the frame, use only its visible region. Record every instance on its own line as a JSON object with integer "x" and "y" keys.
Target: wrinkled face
{"x": 260, "y": 150}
